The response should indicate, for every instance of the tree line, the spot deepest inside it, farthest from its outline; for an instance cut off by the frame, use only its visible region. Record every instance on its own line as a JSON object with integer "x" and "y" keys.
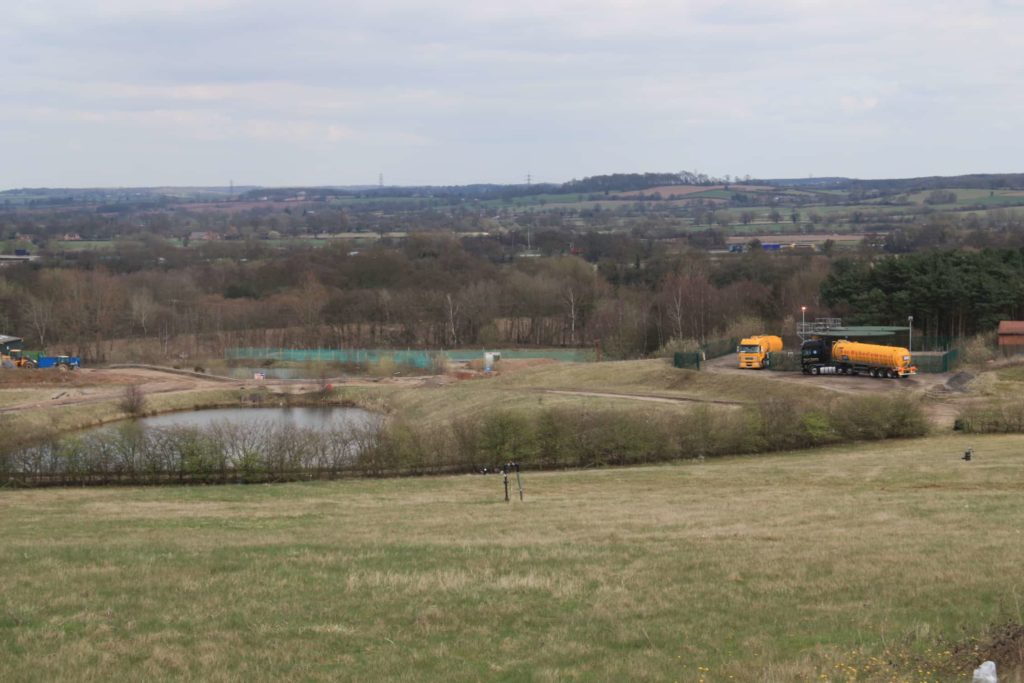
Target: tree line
{"x": 427, "y": 291}
{"x": 953, "y": 293}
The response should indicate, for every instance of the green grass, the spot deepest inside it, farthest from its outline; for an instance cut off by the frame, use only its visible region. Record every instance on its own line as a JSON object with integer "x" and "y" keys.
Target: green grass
{"x": 83, "y": 245}
{"x": 749, "y": 569}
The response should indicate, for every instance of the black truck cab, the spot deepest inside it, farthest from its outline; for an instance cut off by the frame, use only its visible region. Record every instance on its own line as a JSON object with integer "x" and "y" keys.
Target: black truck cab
{"x": 815, "y": 352}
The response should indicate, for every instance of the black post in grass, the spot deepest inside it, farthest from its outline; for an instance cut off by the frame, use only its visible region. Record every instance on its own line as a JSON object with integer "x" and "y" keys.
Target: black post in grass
{"x": 505, "y": 469}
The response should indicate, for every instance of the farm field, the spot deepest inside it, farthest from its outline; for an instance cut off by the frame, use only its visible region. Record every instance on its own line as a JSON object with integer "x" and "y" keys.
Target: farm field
{"x": 821, "y": 565}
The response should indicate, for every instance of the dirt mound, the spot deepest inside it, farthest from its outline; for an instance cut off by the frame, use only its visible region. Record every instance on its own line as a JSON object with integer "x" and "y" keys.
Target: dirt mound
{"x": 1002, "y": 644}
{"x": 959, "y": 381}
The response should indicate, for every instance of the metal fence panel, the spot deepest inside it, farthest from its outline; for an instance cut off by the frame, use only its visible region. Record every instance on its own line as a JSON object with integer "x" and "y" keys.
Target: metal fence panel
{"x": 720, "y": 347}
{"x": 687, "y": 359}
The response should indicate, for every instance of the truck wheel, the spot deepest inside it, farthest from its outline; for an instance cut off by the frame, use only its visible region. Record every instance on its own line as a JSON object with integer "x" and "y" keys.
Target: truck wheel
{"x": 814, "y": 370}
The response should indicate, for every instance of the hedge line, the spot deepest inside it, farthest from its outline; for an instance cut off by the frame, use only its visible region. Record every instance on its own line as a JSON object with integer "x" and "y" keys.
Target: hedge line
{"x": 566, "y": 437}
{"x": 551, "y": 438}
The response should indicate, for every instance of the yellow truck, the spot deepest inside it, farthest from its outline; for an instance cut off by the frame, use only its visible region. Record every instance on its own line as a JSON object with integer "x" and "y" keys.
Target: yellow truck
{"x": 753, "y": 351}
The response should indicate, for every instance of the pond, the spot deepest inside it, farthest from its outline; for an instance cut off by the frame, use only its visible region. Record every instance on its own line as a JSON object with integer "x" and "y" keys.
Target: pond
{"x": 205, "y": 446}
{"x": 304, "y": 417}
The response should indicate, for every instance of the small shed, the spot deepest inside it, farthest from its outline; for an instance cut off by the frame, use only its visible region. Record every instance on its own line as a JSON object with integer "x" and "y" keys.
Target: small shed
{"x": 8, "y": 343}
{"x": 1011, "y": 336}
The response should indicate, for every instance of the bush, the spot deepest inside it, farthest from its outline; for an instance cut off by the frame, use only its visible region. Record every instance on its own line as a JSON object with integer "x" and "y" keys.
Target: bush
{"x": 676, "y": 345}
{"x": 993, "y": 417}
{"x": 979, "y": 349}
{"x": 877, "y": 417}
{"x": 133, "y": 401}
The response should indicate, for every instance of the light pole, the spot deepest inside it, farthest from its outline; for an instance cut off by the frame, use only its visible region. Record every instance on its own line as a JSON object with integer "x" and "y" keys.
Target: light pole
{"x": 803, "y": 321}
{"x": 910, "y": 333}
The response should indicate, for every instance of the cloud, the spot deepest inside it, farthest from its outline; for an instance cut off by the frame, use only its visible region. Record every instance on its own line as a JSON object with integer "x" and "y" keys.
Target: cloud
{"x": 577, "y": 87}
{"x": 855, "y": 103}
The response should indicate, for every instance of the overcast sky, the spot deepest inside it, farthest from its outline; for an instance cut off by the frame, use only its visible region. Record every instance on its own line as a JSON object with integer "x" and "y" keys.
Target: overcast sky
{"x": 201, "y": 92}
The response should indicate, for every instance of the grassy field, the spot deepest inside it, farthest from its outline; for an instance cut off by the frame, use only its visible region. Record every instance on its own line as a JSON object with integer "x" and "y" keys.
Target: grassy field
{"x": 812, "y": 566}
{"x": 533, "y": 388}
{"x": 41, "y": 418}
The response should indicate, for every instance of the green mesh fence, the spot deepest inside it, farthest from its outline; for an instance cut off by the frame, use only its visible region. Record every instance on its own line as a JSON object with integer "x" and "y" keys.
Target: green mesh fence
{"x": 720, "y": 347}
{"x": 936, "y": 362}
{"x": 712, "y": 349}
{"x": 411, "y": 358}
{"x": 687, "y": 359}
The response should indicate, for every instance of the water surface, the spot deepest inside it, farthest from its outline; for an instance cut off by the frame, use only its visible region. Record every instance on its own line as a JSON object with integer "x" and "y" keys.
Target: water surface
{"x": 319, "y": 418}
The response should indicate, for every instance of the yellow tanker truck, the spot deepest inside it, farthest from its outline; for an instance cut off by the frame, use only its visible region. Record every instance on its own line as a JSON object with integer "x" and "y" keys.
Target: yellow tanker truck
{"x": 822, "y": 357}
{"x": 753, "y": 351}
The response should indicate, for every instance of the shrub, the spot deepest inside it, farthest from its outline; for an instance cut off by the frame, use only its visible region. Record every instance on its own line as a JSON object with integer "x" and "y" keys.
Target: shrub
{"x": 133, "y": 400}
{"x": 877, "y": 417}
{"x": 993, "y": 417}
{"x": 979, "y": 349}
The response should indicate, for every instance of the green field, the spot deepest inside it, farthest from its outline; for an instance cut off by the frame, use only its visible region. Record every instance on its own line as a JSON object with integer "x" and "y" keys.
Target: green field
{"x": 817, "y": 566}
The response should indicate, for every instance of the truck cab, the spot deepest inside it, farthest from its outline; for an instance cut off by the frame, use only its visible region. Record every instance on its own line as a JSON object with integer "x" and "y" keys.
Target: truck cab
{"x": 753, "y": 351}
{"x": 814, "y": 353}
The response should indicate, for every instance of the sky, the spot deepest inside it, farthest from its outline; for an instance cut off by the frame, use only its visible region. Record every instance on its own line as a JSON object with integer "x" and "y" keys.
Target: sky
{"x": 115, "y": 93}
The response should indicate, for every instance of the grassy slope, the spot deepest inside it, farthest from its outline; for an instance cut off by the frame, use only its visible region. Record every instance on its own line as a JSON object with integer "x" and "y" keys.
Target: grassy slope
{"x": 773, "y": 569}
{"x": 71, "y": 417}
{"x": 527, "y": 389}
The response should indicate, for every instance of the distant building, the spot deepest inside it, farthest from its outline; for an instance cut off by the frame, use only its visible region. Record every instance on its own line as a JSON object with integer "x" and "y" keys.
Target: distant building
{"x": 1011, "y": 336}
{"x": 203, "y": 236}
{"x": 71, "y": 237}
{"x": 7, "y": 343}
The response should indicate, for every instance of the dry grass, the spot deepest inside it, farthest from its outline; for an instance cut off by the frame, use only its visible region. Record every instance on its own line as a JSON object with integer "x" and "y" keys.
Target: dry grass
{"x": 783, "y": 568}
{"x": 530, "y": 387}
{"x": 107, "y": 408}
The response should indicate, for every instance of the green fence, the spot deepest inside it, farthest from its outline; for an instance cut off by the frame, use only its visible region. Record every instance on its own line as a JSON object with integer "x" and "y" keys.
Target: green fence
{"x": 937, "y": 362}
{"x": 720, "y": 347}
{"x": 713, "y": 349}
{"x": 416, "y": 358}
{"x": 690, "y": 360}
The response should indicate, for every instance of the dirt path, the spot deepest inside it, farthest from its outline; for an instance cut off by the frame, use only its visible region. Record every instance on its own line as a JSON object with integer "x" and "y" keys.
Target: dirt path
{"x": 643, "y": 397}
{"x": 942, "y": 401}
{"x": 97, "y": 385}
{"x": 943, "y": 395}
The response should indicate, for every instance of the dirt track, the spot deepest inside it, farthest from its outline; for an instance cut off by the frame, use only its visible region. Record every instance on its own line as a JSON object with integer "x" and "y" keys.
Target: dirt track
{"x": 941, "y": 402}
{"x": 96, "y": 385}
{"x": 942, "y": 398}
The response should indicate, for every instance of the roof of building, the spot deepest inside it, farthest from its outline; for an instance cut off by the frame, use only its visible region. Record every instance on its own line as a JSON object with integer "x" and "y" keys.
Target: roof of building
{"x": 1011, "y": 327}
{"x": 4, "y": 339}
{"x": 861, "y": 331}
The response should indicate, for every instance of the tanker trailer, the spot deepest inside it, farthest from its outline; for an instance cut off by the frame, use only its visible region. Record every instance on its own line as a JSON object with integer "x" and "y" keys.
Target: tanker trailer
{"x": 821, "y": 357}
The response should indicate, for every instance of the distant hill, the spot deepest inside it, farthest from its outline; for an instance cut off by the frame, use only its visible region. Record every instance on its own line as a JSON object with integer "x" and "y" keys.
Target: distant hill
{"x": 593, "y": 185}
{"x": 974, "y": 181}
